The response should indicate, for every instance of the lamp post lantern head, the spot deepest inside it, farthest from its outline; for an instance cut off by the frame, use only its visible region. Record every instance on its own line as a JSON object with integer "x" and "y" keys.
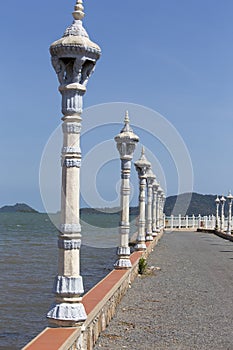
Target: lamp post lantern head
{"x": 74, "y": 57}
{"x": 229, "y": 197}
{"x": 126, "y": 140}
{"x": 150, "y": 176}
{"x": 222, "y": 199}
{"x": 142, "y": 164}
{"x": 159, "y": 191}
{"x": 163, "y": 195}
{"x": 155, "y": 185}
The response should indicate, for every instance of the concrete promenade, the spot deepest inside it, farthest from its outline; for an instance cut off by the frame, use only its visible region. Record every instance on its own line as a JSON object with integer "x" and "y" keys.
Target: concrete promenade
{"x": 188, "y": 304}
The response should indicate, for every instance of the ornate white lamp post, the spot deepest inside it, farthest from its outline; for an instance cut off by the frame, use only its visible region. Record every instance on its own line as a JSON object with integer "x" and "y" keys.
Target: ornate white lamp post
{"x": 150, "y": 177}
{"x": 229, "y": 197}
{"x": 217, "y": 201}
{"x": 162, "y": 209}
{"x": 73, "y": 57}
{"x": 126, "y": 143}
{"x": 222, "y": 200}
{"x": 158, "y": 209}
{"x": 142, "y": 165}
{"x": 154, "y": 210}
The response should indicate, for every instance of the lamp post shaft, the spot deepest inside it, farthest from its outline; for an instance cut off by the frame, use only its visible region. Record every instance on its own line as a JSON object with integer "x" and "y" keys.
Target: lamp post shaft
{"x": 158, "y": 212}
{"x": 142, "y": 166}
{"x": 142, "y": 215}
{"x": 217, "y": 216}
{"x": 222, "y": 215}
{"x": 154, "y": 210}
{"x": 229, "y": 222}
{"x": 123, "y": 250}
{"x": 126, "y": 143}
{"x": 229, "y": 218}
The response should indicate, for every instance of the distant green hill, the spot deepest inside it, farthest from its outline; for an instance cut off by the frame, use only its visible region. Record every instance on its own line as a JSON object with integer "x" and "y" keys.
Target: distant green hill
{"x": 18, "y": 207}
{"x": 203, "y": 204}
{"x": 184, "y": 204}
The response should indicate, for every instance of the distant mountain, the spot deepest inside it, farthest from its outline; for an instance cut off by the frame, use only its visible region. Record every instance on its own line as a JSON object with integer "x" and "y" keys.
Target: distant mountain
{"x": 184, "y": 204}
{"x": 18, "y": 207}
{"x": 191, "y": 203}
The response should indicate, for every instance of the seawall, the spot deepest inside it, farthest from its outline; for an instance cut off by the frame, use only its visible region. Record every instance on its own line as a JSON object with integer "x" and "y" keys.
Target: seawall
{"x": 100, "y": 304}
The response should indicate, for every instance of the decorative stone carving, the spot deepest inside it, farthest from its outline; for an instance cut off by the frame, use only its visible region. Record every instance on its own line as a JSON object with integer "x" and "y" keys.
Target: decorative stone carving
{"x": 59, "y": 67}
{"x": 68, "y": 285}
{"x": 72, "y": 163}
{"x": 74, "y": 312}
{"x": 123, "y": 251}
{"x": 71, "y": 150}
{"x": 69, "y": 244}
{"x": 70, "y": 228}
{"x": 72, "y": 99}
{"x": 71, "y": 128}
{"x": 123, "y": 263}
{"x": 76, "y": 29}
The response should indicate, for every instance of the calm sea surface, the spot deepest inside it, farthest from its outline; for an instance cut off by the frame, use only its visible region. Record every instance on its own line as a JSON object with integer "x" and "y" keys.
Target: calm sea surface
{"x": 28, "y": 265}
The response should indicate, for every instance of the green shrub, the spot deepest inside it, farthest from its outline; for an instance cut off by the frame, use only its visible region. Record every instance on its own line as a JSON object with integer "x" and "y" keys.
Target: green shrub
{"x": 142, "y": 266}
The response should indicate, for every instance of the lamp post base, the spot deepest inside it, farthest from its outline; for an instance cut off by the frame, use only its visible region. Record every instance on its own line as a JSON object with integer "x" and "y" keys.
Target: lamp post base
{"x": 122, "y": 263}
{"x": 67, "y": 314}
{"x": 149, "y": 237}
{"x": 140, "y": 246}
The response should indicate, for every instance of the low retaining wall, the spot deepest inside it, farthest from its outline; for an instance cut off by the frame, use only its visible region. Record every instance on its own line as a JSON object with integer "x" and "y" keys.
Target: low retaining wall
{"x": 100, "y": 304}
{"x": 223, "y": 235}
{"x": 207, "y": 230}
{"x": 217, "y": 233}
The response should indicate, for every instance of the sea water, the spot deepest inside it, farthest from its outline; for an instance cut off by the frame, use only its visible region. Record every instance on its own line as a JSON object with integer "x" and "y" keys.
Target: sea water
{"x": 28, "y": 265}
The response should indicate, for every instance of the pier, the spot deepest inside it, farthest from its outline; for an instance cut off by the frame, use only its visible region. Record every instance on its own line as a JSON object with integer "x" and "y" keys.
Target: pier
{"x": 185, "y": 304}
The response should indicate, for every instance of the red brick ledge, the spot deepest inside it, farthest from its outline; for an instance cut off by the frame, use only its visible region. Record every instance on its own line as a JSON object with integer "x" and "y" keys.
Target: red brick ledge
{"x": 52, "y": 339}
{"x": 93, "y": 301}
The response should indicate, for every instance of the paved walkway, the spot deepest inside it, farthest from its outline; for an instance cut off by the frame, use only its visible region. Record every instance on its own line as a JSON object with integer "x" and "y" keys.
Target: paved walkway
{"x": 188, "y": 304}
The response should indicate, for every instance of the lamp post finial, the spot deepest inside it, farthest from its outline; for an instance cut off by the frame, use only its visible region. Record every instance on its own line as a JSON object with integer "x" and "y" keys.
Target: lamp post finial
{"x": 126, "y": 117}
{"x": 78, "y": 13}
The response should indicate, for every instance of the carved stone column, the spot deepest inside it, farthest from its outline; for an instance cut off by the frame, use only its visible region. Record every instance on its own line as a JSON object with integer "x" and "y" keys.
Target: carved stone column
{"x": 155, "y": 186}
{"x": 222, "y": 200}
{"x": 229, "y": 221}
{"x": 162, "y": 209}
{"x": 73, "y": 57}
{"x": 158, "y": 209}
{"x": 142, "y": 165}
{"x": 217, "y": 201}
{"x": 126, "y": 143}
{"x": 150, "y": 177}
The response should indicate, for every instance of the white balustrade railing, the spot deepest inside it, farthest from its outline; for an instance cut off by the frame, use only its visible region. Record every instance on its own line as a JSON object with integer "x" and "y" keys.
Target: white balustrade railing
{"x": 191, "y": 222}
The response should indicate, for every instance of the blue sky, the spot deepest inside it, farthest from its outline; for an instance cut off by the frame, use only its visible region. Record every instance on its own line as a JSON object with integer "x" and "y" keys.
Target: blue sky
{"x": 172, "y": 56}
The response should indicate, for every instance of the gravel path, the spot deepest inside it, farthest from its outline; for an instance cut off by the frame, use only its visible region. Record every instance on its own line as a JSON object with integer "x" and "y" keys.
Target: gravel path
{"x": 188, "y": 304}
